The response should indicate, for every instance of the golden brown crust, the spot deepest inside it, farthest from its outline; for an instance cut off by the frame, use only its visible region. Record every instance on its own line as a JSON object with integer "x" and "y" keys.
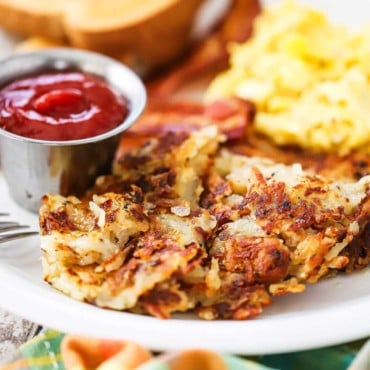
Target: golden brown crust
{"x": 183, "y": 224}
{"x": 352, "y": 166}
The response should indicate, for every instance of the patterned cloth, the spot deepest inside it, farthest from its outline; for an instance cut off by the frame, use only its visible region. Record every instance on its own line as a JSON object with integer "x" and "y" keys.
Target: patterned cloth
{"x": 14, "y": 331}
{"x": 55, "y": 351}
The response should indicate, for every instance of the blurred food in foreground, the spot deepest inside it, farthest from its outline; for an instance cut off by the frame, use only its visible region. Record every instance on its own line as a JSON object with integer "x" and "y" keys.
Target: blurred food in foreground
{"x": 91, "y": 353}
{"x": 308, "y": 77}
{"x": 83, "y": 353}
{"x": 144, "y": 34}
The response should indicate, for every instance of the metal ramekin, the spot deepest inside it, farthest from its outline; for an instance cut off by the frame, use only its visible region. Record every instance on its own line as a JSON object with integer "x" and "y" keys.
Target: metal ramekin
{"x": 33, "y": 167}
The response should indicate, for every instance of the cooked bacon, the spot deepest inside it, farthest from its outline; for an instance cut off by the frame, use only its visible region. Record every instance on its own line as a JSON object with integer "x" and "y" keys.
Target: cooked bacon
{"x": 211, "y": 54}
{"x": 232, "y": 116}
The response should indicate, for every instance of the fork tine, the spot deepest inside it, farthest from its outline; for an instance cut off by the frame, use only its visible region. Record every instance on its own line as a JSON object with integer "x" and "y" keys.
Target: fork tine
{"x": 7, "y": 238}
{"x": 4, "y": 229}
{"x": 11, "y": 226}
{"x": 8, "y": 223}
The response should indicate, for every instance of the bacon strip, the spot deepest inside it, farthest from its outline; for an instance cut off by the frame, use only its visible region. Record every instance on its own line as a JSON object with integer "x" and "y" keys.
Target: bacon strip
{"x": 233, "y": 117}
{"x": 211, "y": 54}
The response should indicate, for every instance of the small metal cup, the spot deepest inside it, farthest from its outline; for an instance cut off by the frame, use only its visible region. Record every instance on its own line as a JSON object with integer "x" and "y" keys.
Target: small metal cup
{"x": 33, "y": 167}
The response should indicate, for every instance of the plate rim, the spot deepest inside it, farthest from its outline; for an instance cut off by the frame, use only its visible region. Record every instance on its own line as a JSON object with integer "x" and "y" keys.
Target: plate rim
{"x": 213, "y": 335}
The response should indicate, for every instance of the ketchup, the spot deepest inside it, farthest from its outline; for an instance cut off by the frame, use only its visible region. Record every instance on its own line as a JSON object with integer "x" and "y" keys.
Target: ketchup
{"x": 60, "y": 106}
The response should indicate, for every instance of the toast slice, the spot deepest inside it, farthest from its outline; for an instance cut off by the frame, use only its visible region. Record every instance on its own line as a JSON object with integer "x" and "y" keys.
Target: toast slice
{"x": 139, "y": 33}
{"x": 144, "y": 34}
{"x": 33, "y": 18}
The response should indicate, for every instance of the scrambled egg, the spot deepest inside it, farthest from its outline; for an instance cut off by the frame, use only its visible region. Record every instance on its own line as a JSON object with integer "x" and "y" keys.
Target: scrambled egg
{"x": 308, "y": 77}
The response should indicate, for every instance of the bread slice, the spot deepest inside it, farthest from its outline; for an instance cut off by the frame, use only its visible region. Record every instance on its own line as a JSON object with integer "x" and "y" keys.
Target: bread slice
{"x": 142, "y": 33}
{"x": 33, "y": 17}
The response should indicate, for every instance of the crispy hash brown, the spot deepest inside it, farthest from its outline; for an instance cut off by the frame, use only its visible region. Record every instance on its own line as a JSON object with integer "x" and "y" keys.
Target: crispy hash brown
{"x": 183, "y": 223}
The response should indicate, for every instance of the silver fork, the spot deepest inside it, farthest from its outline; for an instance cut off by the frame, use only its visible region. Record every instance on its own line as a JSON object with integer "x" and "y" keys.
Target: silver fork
{"x": 10, "y": 230}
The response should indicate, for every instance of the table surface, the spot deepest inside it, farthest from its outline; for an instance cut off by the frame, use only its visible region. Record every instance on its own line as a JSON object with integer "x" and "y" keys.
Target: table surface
{"x": 14, "y": 331}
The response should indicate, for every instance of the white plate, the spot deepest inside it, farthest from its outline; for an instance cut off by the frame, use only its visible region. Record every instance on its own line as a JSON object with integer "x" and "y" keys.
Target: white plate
{"x": 333, "y": 311}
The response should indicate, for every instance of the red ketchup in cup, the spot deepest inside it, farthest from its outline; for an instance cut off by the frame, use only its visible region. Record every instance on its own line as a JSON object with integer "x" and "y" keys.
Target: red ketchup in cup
{"x": 61, "y": 106}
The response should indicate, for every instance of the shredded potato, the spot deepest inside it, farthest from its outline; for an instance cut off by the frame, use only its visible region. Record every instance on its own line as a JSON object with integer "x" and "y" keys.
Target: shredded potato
{"x": 185, "y": 224}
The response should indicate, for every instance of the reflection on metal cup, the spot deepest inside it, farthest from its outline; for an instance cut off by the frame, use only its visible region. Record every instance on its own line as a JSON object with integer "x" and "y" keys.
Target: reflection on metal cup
{"x": 32, "y": 170}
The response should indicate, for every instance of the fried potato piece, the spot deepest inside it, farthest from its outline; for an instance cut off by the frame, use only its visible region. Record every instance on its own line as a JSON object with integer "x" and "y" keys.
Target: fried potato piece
{"x": 352, "y": 166}
{"x": 183, "y": 224}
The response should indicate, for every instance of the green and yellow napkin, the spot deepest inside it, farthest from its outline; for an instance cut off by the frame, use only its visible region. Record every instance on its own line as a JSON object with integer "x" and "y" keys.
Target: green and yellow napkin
{"x": 53, "y": 350}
